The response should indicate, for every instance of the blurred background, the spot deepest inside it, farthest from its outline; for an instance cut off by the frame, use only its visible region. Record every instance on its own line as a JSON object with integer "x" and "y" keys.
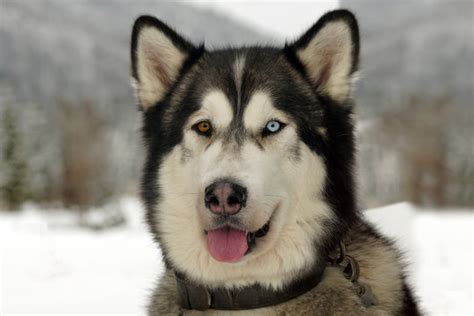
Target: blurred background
{"x": 71, "y": 152}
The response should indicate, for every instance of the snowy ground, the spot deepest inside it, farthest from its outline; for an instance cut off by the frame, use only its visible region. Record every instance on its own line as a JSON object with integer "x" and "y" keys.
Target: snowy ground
{"x": 50, "y": 266}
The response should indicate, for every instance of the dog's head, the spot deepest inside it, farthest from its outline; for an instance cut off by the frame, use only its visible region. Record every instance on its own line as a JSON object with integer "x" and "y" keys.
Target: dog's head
{"x": 248, "y": 174}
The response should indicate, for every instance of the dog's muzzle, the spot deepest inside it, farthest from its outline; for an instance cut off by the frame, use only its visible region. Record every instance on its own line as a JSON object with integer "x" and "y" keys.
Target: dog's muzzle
{"x": 229, "y": 241}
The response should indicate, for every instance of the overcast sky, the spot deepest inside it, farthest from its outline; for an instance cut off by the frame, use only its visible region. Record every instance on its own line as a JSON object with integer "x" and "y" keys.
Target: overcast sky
{"x": 282, "y": 19}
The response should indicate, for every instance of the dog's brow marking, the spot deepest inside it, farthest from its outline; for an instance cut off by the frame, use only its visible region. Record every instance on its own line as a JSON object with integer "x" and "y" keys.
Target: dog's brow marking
{"x": 217, "y": 108}
{"x": 258, "y": 111}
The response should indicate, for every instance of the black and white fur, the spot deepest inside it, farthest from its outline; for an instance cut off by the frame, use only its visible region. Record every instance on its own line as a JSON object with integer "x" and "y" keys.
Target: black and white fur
{"x": 299, "y": 180}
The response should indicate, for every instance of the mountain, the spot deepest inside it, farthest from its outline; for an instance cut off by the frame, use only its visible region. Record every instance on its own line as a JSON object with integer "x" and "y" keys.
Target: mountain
{"x": 414, "y": 49}
{"x": 80, "y": 49}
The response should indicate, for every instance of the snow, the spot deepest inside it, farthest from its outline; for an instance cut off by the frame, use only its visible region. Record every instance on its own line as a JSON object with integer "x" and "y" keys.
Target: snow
{"x": 49, "y": 264}
{"x": 444, "y": 275}
{"x": 439, "y": 244}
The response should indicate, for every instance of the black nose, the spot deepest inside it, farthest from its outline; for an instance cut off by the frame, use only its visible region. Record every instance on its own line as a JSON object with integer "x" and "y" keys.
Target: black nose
{"x": 224, "y": 197}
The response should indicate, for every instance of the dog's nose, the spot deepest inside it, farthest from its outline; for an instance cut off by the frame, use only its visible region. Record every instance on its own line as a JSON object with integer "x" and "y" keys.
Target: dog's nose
{"x": 225, "y": 197}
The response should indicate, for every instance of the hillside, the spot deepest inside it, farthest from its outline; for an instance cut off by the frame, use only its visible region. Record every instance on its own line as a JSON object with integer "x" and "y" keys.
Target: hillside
{"x": 413, "y": 48}
{"x": 80, "y": 49}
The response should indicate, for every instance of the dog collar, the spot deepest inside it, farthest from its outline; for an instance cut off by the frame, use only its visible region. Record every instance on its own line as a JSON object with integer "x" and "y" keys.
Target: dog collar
{"x": 198, "y": 297}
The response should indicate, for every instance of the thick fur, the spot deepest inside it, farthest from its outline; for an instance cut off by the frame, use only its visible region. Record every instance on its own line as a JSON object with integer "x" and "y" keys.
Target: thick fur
{"x": 379, "y": 265}
{"x": 300, "y": 179}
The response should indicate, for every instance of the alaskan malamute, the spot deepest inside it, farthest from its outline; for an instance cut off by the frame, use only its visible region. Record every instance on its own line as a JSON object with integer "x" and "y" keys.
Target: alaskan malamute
{"x": 249, "y": 180}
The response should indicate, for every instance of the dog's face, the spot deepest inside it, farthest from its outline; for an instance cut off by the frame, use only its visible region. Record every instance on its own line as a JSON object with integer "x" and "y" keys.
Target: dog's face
{"x": 240, "y": 149}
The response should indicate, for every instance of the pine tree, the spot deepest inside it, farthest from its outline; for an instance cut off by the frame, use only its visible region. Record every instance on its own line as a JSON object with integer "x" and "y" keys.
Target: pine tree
{"x": 14, "y": 189}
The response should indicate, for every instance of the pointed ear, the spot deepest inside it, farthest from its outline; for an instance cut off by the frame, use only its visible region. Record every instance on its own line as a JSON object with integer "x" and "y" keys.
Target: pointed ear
{"x": 158, "y": 54}
{"x": 329, "y": 53}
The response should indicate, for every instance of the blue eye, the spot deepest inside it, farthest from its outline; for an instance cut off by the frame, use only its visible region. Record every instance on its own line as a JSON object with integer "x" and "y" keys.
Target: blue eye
{"x": 273, "y": 127}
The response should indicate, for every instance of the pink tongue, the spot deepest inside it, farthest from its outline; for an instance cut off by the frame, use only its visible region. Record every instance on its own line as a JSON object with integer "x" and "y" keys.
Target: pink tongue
{"x": 227, "y": 244}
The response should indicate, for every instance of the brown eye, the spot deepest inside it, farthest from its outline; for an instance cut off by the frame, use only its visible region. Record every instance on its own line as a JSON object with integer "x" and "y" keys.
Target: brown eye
{"x": 203, "y": 128}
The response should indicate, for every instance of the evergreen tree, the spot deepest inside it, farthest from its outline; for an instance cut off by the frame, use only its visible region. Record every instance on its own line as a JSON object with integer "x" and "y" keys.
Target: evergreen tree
{"x": 13, "y": 190}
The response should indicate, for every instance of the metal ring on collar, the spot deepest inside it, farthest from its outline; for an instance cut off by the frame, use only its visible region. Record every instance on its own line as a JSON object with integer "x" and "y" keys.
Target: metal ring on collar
{"x": 351, "y": 269}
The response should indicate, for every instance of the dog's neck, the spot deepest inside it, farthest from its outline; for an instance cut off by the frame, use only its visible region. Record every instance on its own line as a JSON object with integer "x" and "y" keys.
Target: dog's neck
{"x": 196, "y": 296}
{"x": 199, "y": 297}
{"x": 202, "y": 296}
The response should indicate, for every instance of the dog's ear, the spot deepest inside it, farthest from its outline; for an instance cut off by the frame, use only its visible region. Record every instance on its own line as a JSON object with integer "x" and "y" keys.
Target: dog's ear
{"x": 329, "y": 54}
{"x": 158, "y": 54}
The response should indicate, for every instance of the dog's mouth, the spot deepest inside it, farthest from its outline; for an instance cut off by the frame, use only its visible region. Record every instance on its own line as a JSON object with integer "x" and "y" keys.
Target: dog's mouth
{"x": 229, "y": 244}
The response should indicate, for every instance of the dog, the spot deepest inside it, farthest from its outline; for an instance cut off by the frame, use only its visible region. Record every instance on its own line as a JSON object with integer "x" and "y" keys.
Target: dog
{"x": 249, "y": 177}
